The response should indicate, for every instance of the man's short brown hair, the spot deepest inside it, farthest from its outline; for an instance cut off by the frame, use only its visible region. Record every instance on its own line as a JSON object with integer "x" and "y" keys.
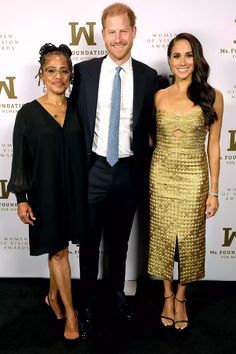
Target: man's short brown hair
{"x": 118, "y": 9}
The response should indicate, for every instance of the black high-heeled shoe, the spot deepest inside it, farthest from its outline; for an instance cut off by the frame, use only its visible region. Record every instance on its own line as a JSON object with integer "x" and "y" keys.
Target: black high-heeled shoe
{"x": 75, "y": 340}
{"x": 166, "y": 317}
{"x": 47, "y": 302}
{"x": 70, "y": 343}
{"x": 181, "y": 321}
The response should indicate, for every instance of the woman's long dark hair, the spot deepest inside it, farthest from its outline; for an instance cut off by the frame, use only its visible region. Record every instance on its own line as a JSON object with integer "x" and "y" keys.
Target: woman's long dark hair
{"x": 199, "y": 91}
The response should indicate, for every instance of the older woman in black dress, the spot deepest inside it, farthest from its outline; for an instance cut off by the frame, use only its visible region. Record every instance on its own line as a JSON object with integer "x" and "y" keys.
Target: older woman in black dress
{"x": 47, "y": 178}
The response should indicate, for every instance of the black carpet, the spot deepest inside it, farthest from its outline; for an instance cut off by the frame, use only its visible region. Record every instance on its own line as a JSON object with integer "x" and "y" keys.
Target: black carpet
{"x": 28, "y": 327}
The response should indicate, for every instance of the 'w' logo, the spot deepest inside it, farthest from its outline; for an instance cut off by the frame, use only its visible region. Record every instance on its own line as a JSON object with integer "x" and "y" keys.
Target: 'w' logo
{"x": 9, "y": 89}
{"x": 88, "y": 35}
{"x": 3, "y": 189}
{"x": 232, "y": 144}
{"x": 228, "y": 238}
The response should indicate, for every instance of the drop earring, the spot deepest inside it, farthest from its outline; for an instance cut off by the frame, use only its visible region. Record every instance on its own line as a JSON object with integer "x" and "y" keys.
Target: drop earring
{"x": 44, "y": 88}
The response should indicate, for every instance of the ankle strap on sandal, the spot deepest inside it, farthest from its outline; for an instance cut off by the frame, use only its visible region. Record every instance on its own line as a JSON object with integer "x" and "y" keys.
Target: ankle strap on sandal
{"x": 184, "y": 300}
{"x": 168, "y": 297}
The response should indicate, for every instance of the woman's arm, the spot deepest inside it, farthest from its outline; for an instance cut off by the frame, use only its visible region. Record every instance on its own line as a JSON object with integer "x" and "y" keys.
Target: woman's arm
{"x": 20, "y": 179}
{"x": 213, "y": 151}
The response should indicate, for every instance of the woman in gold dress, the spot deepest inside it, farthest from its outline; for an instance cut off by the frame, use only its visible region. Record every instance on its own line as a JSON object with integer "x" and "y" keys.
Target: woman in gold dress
{"x": 180, "y": 197}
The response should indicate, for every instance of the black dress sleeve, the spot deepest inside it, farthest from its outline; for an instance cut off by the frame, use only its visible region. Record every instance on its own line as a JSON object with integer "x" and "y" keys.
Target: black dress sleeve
{"x": 20, "y": 179}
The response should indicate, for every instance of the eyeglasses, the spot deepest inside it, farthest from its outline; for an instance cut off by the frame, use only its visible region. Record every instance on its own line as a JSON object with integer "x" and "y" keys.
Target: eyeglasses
{"x": 53, "y": 71}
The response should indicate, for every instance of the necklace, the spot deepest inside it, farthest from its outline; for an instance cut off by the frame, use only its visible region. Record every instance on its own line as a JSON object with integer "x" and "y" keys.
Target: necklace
{"x": 59, "y": 118}
{"x": 57, "y": 110}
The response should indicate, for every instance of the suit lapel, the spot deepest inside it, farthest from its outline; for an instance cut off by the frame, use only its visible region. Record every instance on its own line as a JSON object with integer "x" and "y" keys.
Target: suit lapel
{"x": 139, "y": 89}
{"x": 91, "y": 87}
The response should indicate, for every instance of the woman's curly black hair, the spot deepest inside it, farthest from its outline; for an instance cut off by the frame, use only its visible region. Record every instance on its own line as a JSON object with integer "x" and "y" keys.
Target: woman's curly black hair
{"x": 199, "y": 91}
{"x": 48, "y": 49}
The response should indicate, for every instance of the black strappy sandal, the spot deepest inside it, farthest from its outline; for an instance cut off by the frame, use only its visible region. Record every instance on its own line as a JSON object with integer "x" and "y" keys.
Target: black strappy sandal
{"x": 166, "y": 317}
{"x": 181, "y": 321}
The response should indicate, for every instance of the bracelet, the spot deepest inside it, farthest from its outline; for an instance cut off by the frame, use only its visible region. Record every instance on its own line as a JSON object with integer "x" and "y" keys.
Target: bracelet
{"x": 213, "y": 194}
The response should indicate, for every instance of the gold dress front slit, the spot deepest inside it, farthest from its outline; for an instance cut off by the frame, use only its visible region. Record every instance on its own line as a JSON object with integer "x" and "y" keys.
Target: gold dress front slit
{"x": 178, "y": 193}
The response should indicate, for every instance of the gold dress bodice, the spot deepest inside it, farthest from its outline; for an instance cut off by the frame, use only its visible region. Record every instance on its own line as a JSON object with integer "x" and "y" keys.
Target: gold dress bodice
{"x": 178, "y": 192}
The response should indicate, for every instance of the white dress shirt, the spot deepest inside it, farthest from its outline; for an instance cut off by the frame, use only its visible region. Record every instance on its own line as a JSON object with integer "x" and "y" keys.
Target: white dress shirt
{"x": 100, "y": 138}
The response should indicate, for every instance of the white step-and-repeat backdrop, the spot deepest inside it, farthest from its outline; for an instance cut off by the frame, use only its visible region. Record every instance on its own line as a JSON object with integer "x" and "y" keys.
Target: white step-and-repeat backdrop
{"x": 26, "y": 25}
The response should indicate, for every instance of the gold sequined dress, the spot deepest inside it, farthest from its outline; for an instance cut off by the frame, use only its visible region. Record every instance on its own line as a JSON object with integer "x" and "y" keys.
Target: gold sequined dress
{"x": 178, "y": 192}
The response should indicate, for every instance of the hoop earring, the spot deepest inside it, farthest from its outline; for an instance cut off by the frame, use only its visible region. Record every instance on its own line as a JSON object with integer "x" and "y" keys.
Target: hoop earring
{"x": 44, "y": 89}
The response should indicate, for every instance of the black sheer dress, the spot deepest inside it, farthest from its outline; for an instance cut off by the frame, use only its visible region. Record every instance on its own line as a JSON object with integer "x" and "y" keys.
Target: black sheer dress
{"x": 48, "y": 171}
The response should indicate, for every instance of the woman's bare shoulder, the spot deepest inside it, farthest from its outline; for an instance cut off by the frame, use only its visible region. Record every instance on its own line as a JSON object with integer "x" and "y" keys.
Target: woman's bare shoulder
{"x": 161, "y": 95}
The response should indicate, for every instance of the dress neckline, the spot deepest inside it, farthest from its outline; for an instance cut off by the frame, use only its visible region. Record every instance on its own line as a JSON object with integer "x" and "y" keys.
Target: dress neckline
{"x": 195, "y": 109}
{"x": 51, "y": 116}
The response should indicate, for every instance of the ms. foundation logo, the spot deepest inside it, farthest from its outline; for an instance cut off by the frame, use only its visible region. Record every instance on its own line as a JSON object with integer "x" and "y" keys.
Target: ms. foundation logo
{"x": 228, "y": 250}
{"x": 230, "y": 157}
{"x": 228, "y": 194}
{"x": 83, "y": 37}
{"x": 231, "y": 51}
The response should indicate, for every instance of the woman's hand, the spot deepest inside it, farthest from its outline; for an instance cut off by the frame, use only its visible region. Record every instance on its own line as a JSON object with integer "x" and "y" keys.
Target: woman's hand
{"x": 25, "y": 213}
{"x": 212, "y": 205}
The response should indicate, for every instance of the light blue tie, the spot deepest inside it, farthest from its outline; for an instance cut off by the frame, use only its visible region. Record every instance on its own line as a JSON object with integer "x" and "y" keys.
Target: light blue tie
{"x": 113, "y": 134}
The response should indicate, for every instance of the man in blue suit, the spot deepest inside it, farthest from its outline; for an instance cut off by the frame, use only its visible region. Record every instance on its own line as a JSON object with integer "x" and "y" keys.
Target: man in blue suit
{"x": 114, "y": 191}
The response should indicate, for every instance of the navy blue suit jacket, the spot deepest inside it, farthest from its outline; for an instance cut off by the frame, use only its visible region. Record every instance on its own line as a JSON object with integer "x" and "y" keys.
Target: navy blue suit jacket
{"x": 84, "y": 100}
